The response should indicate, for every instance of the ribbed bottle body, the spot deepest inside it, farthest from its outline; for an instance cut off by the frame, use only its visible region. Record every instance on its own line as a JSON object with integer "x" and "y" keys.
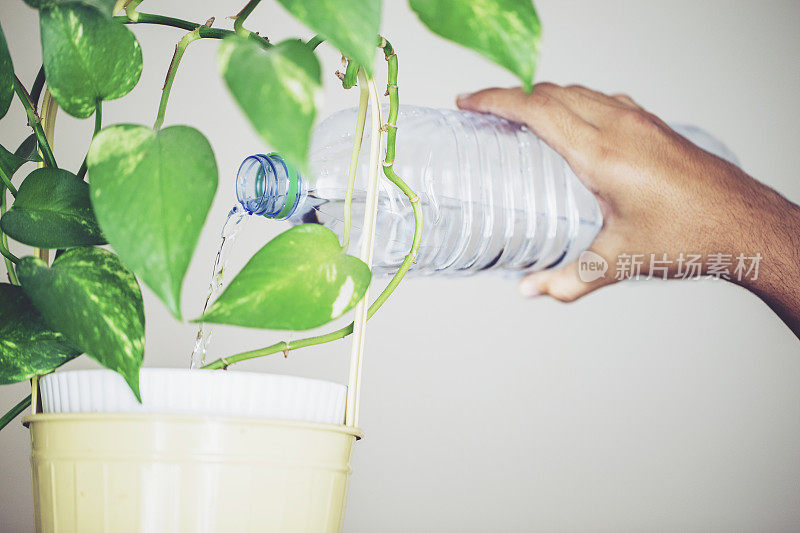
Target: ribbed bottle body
{"x": 493, "y": 195}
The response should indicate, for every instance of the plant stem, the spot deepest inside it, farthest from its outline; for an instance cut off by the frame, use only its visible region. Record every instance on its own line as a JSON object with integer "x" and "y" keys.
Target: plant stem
{"x": 8, "y": 255}
{"x": 392, "y": 93}
{"x": 242, "y": 16}
{"x": 149, "y": 18}
{"x": 315, "y": 41}
{"x": 388, "y": 170}
{"x": 350, "y": 75}
{"x": 15, "y": 411}
{"x": 35, "y": 122}
{"x": 47, "y": 115}
{"x": 98, "y": 124}
{"x": 130, "y": 8}
{"x": 206, "y": 32}
{"x": 180, "y": 48}
{"x": 286, "y": 347}
{"x": 7, "y": 182}
{"x": 351, "y": 175}
{"x": 9, "y": 258}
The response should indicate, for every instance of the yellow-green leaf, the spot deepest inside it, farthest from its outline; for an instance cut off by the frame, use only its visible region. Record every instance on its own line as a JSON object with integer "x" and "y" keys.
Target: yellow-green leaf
{"x": 28, "y": 347}
{"x": 299, "y": 280}
{"x": 87, "y": 57}
{"x": 352, "y": 26}
{"x": 94, "y": 301}
{"x": 505, "y": 31}
{"x": 52, "y": 210}
{"x": 277, "y": 89}
{"x": 151, "y": 192}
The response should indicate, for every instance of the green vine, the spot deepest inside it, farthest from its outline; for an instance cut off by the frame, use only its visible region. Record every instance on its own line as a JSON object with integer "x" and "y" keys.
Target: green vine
{"x": 15, "y": 411}
{"x": 7, "y": 182}
{"x": 350, "y": 75}
{"x": 315, "y": 41}
{"x": 204, "y": 30}
{"x": 361, "y": 119}
{"x": 180, "y": 48}
{"x": 388, "y": 170}
{"x": 35, "y": 122}
{"x": 98, "y": 124}
{"x": 9, "y": 258}
{"x": 238, "y": 22}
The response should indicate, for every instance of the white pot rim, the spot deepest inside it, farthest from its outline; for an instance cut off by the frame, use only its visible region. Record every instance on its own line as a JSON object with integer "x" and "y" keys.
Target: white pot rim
{"x": 181, "y": 391}
{"x": 192, "y": 371}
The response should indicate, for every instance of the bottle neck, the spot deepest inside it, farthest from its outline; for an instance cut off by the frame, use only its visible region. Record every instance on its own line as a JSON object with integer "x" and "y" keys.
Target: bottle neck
{"x": 266, "y": 185}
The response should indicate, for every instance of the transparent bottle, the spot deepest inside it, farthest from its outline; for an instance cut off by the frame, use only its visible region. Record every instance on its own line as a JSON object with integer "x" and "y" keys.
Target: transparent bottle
{"x": 493, "y": 195}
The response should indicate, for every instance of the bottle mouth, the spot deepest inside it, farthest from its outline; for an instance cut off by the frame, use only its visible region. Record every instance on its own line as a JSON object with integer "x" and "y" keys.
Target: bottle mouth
{"x": 266, "y": 185}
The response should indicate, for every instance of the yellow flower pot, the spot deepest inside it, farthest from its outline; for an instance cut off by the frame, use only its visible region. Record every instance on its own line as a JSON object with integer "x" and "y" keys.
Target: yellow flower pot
{"x": 124, "y": 472}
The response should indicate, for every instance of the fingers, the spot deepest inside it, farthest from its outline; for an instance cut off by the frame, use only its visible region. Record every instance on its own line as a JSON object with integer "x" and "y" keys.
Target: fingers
{"x": 594, "y": 107}
{"x": 576, "y": 279}
{"x": 626, "y": 100}
{"x": 547, "y": 116}
{"x": 564, "y": 285}
{"x": 572, "y": 120}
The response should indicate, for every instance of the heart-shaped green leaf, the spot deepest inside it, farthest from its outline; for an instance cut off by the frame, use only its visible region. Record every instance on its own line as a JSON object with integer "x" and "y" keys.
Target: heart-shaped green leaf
{"x": 151, "y": 192}
{"x": 52, "y": 210}
{"x": 299, "y": 280}
{"x": 505, "y": 31}
{"x": 352, "y": 26}
{"x": 6, "y": 76}
{"x": 90, "y": 297}
{"x": 28, "y": 347}
{"x": 276, "y": 88}
{"x": 87, "y": 57}
{"x": 106, "y": 7}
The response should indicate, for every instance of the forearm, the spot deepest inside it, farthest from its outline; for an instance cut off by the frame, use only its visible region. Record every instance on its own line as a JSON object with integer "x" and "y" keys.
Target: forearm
{"x": 772, "y": 230}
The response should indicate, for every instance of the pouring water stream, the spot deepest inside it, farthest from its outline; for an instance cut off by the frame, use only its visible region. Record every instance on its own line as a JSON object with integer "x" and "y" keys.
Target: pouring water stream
{"x": 236, "y": 220}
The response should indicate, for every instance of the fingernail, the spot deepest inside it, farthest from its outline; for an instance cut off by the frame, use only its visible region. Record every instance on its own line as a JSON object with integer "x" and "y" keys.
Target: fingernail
{"x": 528, "y": 288}
{"x": 462, "y": 97}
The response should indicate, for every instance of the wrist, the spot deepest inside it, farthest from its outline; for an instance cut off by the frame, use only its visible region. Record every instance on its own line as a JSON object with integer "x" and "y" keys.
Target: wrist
{"x": 748, "y": 218}
{"x": 769, "y": 227}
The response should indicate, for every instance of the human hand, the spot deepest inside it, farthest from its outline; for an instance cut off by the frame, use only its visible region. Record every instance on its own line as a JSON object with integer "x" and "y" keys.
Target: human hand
{"x": 659, "y": 193}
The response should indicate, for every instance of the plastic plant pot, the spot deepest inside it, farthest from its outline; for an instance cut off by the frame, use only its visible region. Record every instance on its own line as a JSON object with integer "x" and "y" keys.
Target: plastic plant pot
{"x": 179, "y": 471}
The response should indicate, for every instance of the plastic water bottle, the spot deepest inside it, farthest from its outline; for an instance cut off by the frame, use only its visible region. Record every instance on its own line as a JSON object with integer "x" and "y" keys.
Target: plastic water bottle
{"x": 493, "y": 195}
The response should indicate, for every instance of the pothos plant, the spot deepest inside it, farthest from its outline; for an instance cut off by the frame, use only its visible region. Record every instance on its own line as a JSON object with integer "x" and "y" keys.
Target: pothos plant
{"x": 149, "y": 189}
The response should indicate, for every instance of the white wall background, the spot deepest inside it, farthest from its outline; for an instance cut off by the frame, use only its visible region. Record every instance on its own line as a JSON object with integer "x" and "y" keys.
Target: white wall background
{"x": 669, "y": 406}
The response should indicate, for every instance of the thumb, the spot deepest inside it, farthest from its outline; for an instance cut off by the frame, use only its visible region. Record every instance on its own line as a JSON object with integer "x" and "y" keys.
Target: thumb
{"x": 567, "y": 284}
